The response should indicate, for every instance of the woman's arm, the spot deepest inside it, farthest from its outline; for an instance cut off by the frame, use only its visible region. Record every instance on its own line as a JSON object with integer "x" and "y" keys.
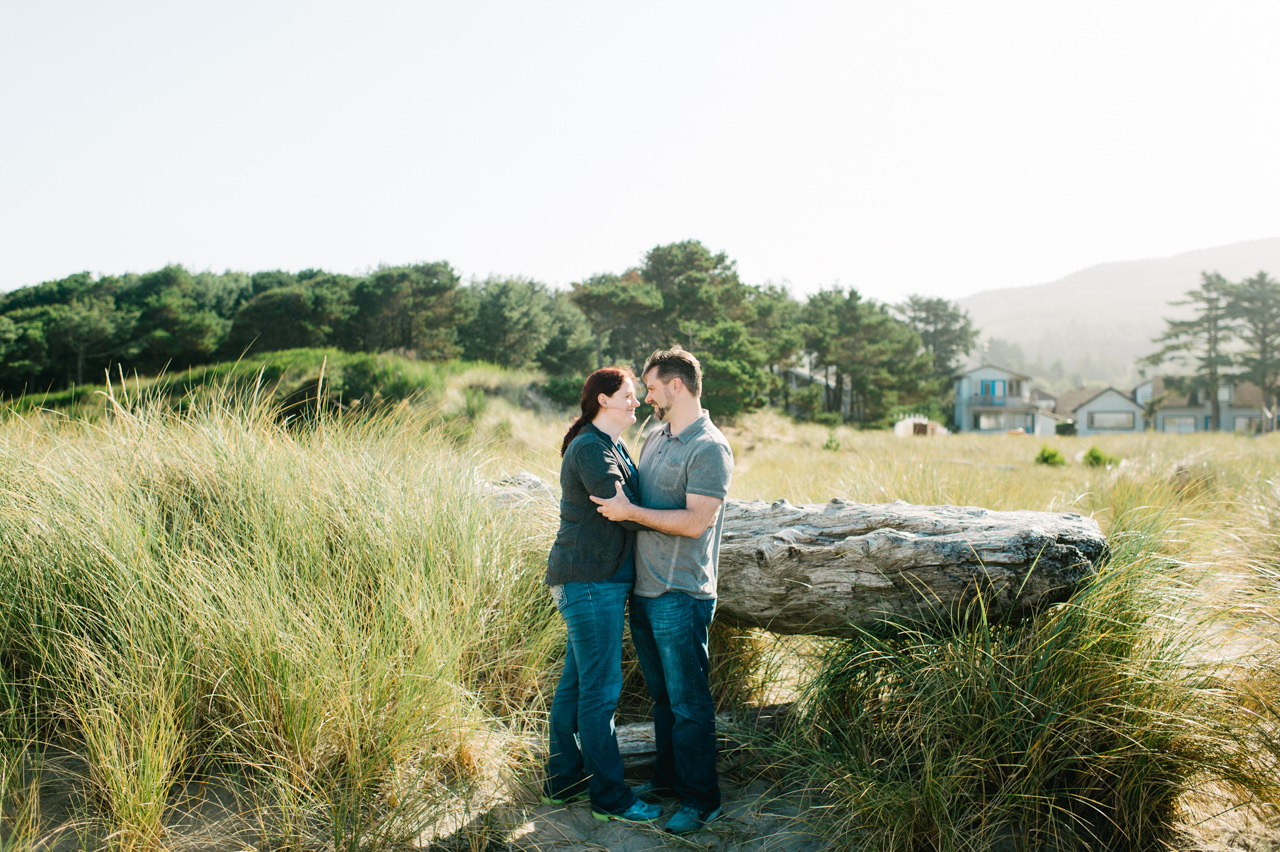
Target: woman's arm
{"x": 692, "y": 521}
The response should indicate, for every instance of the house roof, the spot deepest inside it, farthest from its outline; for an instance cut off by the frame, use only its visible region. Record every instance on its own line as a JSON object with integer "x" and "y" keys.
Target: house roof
{"x": 815, "y": 378}
{"x": 1127, "y": 397}
{"x": 1173, "y": 400}
{"x": 992, "y": 367}
{"x": 1246, "y": 395}
{"x": 1038, "y": 395}
{"x": 1068, "y": 401}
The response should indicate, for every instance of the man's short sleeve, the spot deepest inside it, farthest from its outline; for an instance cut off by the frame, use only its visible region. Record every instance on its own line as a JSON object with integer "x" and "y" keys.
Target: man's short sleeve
{"x": 710, "y": 470}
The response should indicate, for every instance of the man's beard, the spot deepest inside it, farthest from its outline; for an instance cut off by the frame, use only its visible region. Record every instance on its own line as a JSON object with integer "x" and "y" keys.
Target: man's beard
{"x": 661, "y": 412}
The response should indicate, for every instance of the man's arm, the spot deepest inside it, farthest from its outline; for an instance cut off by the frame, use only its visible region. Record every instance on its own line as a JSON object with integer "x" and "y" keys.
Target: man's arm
{"x": 692, "y": 521}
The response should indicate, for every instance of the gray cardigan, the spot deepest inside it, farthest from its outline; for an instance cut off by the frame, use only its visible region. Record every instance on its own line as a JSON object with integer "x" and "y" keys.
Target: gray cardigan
{"x": 589, "y": 547}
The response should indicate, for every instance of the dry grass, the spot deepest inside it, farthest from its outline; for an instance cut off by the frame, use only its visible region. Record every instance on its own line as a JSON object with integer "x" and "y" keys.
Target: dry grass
{"x": 333, "y": 627}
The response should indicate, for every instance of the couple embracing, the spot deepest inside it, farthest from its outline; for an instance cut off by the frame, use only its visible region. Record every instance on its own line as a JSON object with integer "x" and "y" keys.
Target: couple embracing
{"x": 647, "y": 534}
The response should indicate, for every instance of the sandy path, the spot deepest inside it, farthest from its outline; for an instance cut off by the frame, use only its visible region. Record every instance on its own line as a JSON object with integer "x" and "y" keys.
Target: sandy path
{"x": 755, "y": 819}
{"x": 757, "y": 815}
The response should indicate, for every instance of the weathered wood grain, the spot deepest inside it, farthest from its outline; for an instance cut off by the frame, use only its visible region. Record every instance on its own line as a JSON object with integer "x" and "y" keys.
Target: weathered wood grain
{"x": 831, "y": 568}
{"x": 823, "y": 569}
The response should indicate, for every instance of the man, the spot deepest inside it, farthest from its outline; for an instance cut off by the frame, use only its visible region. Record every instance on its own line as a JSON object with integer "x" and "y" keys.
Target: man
{"x": 685, "y": 468}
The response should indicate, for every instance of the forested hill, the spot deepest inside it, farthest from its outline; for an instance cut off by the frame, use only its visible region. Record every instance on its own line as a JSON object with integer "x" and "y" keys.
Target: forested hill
{"x": 1104, "y": 317}
{"x": 77, "y": 329}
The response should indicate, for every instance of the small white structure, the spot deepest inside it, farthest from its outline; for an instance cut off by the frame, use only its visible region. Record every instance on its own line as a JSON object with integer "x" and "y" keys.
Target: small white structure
{"x": 918, "y": 424}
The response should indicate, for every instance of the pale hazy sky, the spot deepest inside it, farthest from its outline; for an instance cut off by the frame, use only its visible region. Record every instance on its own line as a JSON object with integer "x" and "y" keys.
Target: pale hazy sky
{"x": 898, "y": 147}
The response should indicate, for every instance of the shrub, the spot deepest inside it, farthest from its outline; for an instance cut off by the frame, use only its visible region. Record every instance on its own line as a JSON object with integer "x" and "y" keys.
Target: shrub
{"x": 805, "y": 402}
{"x": 1078, "y": 730}
{"x": 1095, "y": 457}
{"x": 1050, "y": 456}
{"x": 564, "y": 390}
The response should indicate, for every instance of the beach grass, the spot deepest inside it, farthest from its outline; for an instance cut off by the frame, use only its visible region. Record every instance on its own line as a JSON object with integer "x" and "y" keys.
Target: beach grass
{"x": 333, "y": 616}
{"x": 331, "y": 628}
{"x": 1140, "y": 714}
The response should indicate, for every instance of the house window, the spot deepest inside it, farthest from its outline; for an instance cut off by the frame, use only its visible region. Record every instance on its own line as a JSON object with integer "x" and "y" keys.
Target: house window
{"x": 1247, "y": 424}
{"x": 991, "y": 387}
{"x": 1111, "y": 420}
{"x": 986, "y": 420}
{"x": 1180, "y": 424}
{"x": 1224, "y": 393}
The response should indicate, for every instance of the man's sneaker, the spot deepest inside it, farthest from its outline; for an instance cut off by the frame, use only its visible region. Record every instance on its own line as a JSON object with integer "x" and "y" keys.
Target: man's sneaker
{"x": 647, "y": 791}
{"x": 640, "y": 811}
{"x": 564, "y": 800}
{"x": 689, "y": 819}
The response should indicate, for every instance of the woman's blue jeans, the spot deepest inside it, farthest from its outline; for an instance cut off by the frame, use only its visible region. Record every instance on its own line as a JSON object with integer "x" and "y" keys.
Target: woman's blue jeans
{"x": 584, "y": 742}
{"x": 670, "y": 635}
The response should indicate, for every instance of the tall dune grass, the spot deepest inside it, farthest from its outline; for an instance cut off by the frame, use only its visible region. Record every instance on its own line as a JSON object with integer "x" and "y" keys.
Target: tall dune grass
{"x": 330, "y": 618}
{"x": 1129, "y": 718}
{"x": 333, "y": 627}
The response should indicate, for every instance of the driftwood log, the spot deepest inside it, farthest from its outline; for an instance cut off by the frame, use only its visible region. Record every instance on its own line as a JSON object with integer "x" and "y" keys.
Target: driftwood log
{"x": 826, "y": 568}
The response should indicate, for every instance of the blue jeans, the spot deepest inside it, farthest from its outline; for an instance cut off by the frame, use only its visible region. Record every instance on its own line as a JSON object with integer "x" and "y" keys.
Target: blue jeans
{"x": 584, "y": 742}
{"x": 670, "y": 635}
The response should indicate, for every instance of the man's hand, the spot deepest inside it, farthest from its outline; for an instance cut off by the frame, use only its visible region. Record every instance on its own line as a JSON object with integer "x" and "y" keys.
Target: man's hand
{"x": 691, "y": 522}
{"x": 617, "y": 507}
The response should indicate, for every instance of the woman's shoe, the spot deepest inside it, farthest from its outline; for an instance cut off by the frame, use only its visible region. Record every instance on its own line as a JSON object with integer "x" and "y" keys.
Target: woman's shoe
{"x": 564, "y": 800}
{"x": 689, "y": 819}
{"x": 640, "y": 811}
{"x": 647, "y": 791}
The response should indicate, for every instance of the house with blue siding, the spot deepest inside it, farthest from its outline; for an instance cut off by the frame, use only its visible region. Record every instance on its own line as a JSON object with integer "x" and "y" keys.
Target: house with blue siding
{"x": 1239, "y": 408}
{"x": 1109, "y": 412}
{"x": 994, "y": 400}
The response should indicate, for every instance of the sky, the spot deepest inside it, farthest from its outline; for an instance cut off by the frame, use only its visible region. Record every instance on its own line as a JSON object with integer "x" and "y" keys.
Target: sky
{"x": 931, "y": 147}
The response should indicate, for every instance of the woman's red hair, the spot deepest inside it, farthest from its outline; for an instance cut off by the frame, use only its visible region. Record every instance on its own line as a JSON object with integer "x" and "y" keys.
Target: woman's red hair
{"x": 605, "y": 381}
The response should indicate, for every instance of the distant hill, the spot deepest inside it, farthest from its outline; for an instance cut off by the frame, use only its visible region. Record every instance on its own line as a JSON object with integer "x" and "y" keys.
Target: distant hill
{"x": 1108, "y": 314}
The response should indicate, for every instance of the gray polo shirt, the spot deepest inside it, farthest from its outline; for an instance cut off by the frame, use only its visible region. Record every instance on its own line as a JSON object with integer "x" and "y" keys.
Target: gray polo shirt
{"x": 697, "y": 461}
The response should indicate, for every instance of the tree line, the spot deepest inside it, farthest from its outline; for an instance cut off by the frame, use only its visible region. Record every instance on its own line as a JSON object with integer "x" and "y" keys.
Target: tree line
{"x": 872, "y": 358}
{"x": 1232, "y": 336}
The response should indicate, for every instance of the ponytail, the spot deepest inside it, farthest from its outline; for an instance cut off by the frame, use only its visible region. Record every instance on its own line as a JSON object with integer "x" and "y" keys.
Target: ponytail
{"x": 574, "y": 428}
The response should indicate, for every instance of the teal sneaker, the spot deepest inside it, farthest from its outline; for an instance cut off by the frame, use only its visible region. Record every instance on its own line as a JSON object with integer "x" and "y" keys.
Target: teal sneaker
{"x": 640, "y": 811}
{"x": 689, "y": 819}
{"x": 565, "y": 800}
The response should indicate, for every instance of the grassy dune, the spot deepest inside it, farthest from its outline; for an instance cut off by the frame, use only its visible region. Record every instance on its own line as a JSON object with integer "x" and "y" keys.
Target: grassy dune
{"x": 332, "y": 632}
{"x": 1140, "y": 714}
{"x": 328, "y": 621}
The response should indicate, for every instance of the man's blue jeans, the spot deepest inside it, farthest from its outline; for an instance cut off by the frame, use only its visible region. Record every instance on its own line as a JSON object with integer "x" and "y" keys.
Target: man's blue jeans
{"x": 587, "y": 697}
{"x": 670, "y": 635}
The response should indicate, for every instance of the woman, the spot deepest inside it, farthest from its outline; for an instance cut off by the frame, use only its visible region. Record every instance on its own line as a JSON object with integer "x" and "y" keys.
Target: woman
{"x": 590, "y": 571}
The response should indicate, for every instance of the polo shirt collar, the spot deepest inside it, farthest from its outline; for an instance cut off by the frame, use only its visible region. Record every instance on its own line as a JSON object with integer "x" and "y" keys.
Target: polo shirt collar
{"x": 693, "y": 430}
